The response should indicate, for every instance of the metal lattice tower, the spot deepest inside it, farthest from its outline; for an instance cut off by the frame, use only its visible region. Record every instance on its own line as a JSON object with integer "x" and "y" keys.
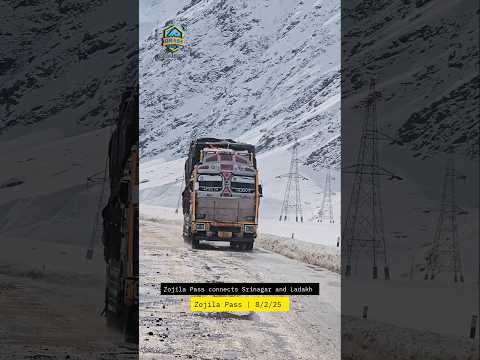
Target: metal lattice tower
{"x": 293, "y": 181}
{"x": 179, "y": 198}
{"x": 326, "y": 209}
{"x": 444, "y": 256}
{"x": 363, "y": 231}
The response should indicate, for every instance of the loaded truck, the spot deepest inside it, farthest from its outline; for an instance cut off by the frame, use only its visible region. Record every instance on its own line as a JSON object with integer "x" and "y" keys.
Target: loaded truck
{"x": 222, "y": 193}
{"x": 120, "y": 219}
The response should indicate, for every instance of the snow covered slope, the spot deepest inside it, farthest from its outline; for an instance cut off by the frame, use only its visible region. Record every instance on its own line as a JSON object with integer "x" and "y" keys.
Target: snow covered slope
{"x": 259, "y": 72}
{"x": 66, "y": 70}
{"x": 428, "y": 52}
{"x": 63, "y": 69}
{"x": 154, "y": 13}
{"x": 267, "y": 71}
{"x": 425, "y": 59}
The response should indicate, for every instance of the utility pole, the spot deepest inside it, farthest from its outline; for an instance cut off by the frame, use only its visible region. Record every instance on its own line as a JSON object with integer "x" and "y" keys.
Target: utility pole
{"x": 293, "y": 181}
{"x": 326, "y": 209}
{"x": 363, "y": 231}
{"x": 444, "y": 255}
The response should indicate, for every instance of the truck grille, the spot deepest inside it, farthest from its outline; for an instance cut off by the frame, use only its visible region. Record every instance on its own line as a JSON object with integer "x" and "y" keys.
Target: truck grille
{"x": 233, "y": 229}
{"x": 227, "y": 210}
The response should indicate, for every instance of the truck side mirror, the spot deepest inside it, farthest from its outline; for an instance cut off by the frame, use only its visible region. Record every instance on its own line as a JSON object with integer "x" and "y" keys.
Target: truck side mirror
{"x": 260, "y": 191}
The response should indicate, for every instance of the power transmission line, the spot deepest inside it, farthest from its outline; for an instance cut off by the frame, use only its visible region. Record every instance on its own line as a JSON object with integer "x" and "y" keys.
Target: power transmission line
{"x": 293, "y": 184}
{"x": 363, "y": 231}
{"x": 444, "y": 255}
{"x": 326, "y": 209}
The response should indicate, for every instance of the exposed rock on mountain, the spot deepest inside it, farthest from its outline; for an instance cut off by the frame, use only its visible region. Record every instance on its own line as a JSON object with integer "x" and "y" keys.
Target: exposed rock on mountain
{"x": 264, "y": 72}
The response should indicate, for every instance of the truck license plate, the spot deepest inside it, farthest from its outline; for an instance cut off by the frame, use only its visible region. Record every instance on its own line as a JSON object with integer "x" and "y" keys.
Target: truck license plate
{"x": 225, "y": 234}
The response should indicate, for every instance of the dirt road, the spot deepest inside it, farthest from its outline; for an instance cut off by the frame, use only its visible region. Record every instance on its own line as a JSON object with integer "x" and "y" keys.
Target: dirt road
{"x": 311, "y": 330}
{"x": 51, "y": 298}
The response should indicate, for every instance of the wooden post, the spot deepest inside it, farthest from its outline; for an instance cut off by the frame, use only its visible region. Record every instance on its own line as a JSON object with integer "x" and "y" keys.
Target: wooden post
{"x": 365, "y": 312}
{"x": 473, "y": 326}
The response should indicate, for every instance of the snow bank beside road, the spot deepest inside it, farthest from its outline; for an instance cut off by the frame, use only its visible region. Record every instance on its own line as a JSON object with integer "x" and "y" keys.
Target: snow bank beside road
{"x": 326, "y": 257}
{"x": 368, "y": 340}
{"x": 314, "y": 254}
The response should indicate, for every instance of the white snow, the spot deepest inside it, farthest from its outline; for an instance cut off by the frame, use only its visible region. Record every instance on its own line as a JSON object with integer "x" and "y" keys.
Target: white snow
{"x": 161, "y": 186}
{"x": 154, "y": 13}
{"x": 263, "y": 72}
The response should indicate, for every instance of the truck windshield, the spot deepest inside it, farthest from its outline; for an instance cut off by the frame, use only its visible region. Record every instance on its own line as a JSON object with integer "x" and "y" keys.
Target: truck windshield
{"x": 243, "y": 184}
{"x": 226, "y": 157}
{"x": 210, "y": 183}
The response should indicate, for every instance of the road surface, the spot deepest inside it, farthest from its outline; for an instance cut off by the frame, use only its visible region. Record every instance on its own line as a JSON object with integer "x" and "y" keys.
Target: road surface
{"x": 311, "y": 330}
{"x": 51, "y": 298}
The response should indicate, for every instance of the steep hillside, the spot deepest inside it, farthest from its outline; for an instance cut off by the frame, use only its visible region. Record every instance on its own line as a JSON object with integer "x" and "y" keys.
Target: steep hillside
{"x": 63, "y": 64}
{"x": 267, "y": 71}
{"x": 63, "y": 69}
{"x": 428, "y": 51}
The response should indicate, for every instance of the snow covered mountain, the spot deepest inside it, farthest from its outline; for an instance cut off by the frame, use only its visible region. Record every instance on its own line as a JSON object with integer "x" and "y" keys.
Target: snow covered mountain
{"x": 427, "y": 51}
{"x": 63, "y": 68}
{"x": 267, "y": 71}
{"x": 260, "y": 72}
{"x": 64, "y": 64}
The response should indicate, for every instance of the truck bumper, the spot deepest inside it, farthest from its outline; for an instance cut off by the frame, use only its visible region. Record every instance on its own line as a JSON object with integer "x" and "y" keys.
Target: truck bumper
{"x": 234, "y": 238}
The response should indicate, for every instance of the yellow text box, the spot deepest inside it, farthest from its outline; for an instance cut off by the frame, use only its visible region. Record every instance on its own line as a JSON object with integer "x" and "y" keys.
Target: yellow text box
{"x": 239, "y": 303}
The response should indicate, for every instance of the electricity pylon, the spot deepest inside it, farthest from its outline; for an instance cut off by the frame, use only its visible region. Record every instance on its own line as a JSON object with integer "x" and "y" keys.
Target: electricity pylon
{"x": 179, "y": 199}
{"x": 326, "y": 209}
{"x": 444, "y": 256}
{"x": 293, "y": 181}
{"x": 363, "y": 230}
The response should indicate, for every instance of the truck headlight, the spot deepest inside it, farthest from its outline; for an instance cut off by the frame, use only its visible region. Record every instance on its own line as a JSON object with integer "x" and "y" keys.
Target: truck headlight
{"x": 201, "y": 227}
{"x": 249, "y": 229}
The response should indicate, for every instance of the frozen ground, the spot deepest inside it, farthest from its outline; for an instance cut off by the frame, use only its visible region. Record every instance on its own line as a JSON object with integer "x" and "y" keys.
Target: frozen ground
{"x": 311, "y": 330}
{"x": 51, "y": 296}
{"x": 51, "y": 299}
{"x": 325, "y": 256}
{"x": 371, "y": 340}
{"x": 417, "y": 304}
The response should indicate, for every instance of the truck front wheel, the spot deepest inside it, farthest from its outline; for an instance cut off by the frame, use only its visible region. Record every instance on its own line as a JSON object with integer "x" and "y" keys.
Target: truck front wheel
{"x": 130, "y": 329}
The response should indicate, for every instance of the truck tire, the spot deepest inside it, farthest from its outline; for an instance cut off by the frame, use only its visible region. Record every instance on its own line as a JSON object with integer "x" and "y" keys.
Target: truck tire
{"x": 249, "y": 245}
{"x": 113, "y": 294}
{"x": 195, "y": 242}
{"x": 130, "y": 330}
